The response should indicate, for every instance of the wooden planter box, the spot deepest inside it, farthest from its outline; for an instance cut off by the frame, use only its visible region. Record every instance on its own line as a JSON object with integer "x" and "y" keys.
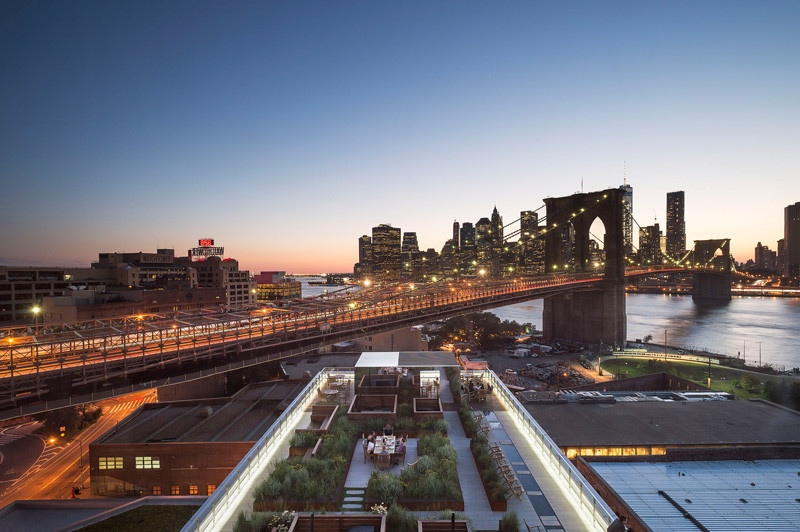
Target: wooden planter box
{"x": 379, "y": 385}
{"x": 295, "y": 506}
{"x": 321, "y": 419}
{"x": 425, "y": 408}
{"x": 497, "y": 506}
{"x": 298, "y": 452}
{"x": 300, "y": 506}
{"x": 373, "y": 406}
{"x": 337, "y": 523}
{"x": 417, "y": 505}
{"x": 430, "y": 525}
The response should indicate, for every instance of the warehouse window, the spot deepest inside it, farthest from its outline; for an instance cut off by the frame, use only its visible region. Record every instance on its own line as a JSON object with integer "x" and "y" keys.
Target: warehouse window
{"x": 148, "y": 462}
{"x": 109, "y": 462}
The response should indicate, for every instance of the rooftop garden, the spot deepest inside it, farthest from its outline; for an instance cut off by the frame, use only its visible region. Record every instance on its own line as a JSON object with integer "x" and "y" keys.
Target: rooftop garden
{"x": 431, "y": 483}
{"x": 315, "y": 482}
{"x": 297, "y": 483}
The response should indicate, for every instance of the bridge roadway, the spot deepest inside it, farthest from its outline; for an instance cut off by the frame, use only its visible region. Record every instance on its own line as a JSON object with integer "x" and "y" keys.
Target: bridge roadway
{"x": 47, "y": 367}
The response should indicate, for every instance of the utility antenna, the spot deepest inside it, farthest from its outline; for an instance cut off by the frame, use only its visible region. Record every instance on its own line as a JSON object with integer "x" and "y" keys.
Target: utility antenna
{"x": 624, "y": 172}
{"x": 581, "y": 184}
{"x": 655, "y": 216}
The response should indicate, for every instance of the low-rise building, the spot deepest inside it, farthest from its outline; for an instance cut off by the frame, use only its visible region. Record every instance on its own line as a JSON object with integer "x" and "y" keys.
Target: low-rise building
{"x": 216, "y": 272}
{"x": 185, "y": 447}
{"x": 22, "y": 291}
{"x": 658, "y": 423}
{"x": 79, "y": 305}
{"x": 273, "y": 286}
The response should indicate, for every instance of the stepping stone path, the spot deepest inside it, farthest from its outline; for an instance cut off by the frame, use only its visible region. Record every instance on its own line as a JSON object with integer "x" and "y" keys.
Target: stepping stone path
{"x": 353, "y": 499}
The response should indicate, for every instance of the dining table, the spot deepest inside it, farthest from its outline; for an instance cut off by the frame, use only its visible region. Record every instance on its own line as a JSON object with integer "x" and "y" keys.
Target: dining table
{"x": 385, "y": 444}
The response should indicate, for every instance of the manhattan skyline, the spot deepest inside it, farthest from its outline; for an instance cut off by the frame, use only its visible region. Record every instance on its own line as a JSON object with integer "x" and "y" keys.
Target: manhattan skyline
{"x": 285, "y": 131}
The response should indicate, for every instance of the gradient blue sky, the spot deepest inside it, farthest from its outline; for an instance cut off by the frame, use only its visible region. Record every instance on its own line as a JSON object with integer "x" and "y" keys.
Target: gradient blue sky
{"x": 285, "y": 130}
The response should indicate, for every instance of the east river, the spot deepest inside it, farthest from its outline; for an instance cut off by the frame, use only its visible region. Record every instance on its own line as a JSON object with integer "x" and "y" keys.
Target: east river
{"x": 737, "y": 328}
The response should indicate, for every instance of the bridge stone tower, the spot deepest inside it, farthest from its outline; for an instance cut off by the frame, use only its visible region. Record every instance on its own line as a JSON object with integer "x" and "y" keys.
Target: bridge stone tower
{"x": 593, "y": 315}
{"x": 713, "y": 284}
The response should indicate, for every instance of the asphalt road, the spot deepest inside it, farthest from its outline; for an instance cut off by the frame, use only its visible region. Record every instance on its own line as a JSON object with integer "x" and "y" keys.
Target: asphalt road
{"x": 19, "y": 450}
{"x": 59, "y": 468}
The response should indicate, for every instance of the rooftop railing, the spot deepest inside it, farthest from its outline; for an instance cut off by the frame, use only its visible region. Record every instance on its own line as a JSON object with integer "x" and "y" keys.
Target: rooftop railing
{"x": 220, "y": 507}
{"x": 591, "y": 508}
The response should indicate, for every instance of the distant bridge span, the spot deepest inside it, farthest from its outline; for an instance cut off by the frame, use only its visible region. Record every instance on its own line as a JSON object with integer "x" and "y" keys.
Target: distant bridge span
{"x": 46, "y": 367}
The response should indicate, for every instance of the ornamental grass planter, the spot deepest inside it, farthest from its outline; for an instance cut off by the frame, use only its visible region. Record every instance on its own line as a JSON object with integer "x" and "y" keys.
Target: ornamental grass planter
{"x": 497, "y": 506}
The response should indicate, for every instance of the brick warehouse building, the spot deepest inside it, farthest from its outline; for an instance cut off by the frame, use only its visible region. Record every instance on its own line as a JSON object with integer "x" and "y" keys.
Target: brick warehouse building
{"x": 185, "y": 447}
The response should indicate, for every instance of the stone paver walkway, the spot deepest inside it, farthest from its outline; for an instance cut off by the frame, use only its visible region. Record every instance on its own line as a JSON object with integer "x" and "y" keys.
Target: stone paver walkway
{"x": 554, "y": 509}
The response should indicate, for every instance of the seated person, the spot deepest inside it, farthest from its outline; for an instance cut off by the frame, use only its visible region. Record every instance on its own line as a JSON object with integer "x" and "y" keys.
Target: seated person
{"x": 370, "y": 446}
{"x": 387, "y": 430}
{"x": 401, "y": 448}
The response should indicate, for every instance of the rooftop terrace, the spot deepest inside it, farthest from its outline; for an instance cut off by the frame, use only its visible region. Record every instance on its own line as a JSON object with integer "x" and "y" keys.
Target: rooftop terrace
{"x": 552, "y": 494}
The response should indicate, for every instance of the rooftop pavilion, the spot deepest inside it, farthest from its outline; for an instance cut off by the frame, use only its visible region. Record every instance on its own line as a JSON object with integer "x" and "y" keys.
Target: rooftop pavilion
{"x": 549, "y": 491}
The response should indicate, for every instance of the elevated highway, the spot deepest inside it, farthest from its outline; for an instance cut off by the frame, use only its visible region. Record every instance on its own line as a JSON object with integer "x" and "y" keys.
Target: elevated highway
{"x": 46, "y": 367}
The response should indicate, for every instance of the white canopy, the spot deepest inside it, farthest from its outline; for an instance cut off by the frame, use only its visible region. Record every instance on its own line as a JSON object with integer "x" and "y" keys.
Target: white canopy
{"x": 407, "y": 359}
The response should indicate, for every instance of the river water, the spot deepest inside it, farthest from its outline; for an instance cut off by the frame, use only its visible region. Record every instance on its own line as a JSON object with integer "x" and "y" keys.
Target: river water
{"x": 737, "y": 328}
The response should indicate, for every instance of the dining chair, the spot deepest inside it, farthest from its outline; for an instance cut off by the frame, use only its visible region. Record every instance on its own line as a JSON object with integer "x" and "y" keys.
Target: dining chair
{"x": 384, "y": 461}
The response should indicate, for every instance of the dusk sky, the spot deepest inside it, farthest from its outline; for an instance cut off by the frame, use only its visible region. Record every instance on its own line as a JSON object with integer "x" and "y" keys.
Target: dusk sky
{"x": 285, "y": 130}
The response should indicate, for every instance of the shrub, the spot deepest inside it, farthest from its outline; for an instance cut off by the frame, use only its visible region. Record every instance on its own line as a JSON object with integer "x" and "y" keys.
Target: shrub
{"x": 441, "y": 426}
{"x": 486, "y": 468}
{"x": 428, "y": 443}
{"x": 302, "y": 438}
{"x": 399, "y": 520}
{"x": 435, "y": 475}
{"x": 405, "y": 410}
{"x": 509, "y": 523}
{"x": 258, "y": 521}
{"x": 384, "y": 487}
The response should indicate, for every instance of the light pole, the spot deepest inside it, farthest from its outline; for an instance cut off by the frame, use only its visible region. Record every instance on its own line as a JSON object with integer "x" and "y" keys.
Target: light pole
{"x": 36, "y": 310}
{"x": 665, "y": 347}
{"x": 759, "y": 354}
{"x": 80, "y": 471}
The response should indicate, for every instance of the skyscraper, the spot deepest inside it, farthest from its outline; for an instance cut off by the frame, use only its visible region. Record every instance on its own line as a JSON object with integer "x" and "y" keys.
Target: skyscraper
{"x": 410, "y": 242}
{"x": 497, "y": 227}
{"x": 650, "y": 245}
{"x": 627, "y": 219}
{"x": 364, "y": 266}
{"x": 528, "y": 224}
{"x": 676, "y": 227}
{"x": 386, "y": 250}
{"x": 467, "y": 235}
{"x": 456, "y": 240}
{"x": 759, "y": 256}
{"x": 791, "y": 236}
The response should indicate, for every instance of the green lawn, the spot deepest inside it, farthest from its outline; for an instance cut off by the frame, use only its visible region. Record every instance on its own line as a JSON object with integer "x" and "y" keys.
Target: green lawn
{"x": 745, "y": 384}
{"x": 156, "y": 518}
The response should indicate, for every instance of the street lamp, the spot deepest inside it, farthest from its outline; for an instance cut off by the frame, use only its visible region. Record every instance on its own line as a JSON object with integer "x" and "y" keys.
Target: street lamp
{"x": 36, "y": 310}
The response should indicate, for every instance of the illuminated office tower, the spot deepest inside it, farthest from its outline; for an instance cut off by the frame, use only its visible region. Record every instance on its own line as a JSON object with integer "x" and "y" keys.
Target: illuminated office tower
{"x": 676, "y": 227}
